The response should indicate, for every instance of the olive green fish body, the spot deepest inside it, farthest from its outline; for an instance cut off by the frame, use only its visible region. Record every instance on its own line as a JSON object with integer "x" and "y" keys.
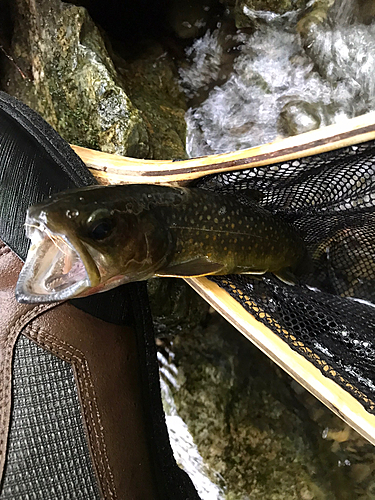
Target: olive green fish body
{"x": 92, "y": 239}
{"x": 230, "y": 236}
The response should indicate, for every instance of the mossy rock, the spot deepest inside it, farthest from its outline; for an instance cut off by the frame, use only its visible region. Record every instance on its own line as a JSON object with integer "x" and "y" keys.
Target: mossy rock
{"x": 68, "y": 76}
{"x": 246, "y": 420}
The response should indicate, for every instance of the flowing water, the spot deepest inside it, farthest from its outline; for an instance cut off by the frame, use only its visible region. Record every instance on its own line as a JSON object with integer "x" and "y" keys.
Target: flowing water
{"x": 252, "y": 432}
{"x": 248, "y": 89}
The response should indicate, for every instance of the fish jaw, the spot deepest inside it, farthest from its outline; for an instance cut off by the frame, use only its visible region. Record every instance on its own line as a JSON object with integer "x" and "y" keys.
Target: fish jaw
{"x": 56, "y": 268}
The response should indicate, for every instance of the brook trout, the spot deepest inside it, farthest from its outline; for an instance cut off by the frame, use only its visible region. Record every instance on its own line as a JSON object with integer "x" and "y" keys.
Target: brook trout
{"x": 88, "y": 240}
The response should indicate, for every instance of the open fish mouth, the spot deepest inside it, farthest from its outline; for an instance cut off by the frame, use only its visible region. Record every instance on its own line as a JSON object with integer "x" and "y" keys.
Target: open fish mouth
{"x": 53, "y": 269}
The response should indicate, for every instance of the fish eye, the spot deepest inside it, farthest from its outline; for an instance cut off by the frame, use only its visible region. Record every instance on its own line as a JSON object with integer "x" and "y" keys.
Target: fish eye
{"x": 101, "y": 229}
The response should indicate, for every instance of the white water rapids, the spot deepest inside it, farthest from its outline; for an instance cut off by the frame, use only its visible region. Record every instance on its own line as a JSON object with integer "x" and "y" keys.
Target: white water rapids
{"x": 279, "y": 82}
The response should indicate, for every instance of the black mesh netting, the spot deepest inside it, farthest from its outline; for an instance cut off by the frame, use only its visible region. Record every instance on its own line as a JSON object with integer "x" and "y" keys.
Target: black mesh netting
{"x": 329, "y": 317}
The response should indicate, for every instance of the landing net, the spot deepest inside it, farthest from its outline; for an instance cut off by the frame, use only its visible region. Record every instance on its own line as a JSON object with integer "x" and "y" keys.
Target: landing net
{"x": 329, "y": 318}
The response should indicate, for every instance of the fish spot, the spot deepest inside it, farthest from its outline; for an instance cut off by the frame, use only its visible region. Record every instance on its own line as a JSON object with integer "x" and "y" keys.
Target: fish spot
{"x": 225, "y": 249}
{"x": 240, "y": 222}
{"x": 72, "y": 214}
{"x": 216, "y": 220}
{"x": 191, "y": 221}
{"x": 214, "y": 237}
{"x": 235, "y": 240}
{"x": 201, "y": 217}
{"x": 232, "y": 226}
{"x": 205, "y": 208}
{"x": 197, "y": 233}
{"x": 207, "y": 236}
{"x": 191, "y": 241}
{"x": 208, "y": 217}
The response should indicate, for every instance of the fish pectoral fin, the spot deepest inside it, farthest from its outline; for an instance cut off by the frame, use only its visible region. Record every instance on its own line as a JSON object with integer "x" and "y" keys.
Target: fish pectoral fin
{"x": 286, "y": 276}
{"x": 201, "y": 266}
{"x": 255, "y": 271}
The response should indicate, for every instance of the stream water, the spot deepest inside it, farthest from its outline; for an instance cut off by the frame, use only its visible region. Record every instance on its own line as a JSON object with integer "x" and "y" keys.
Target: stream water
{"x": 248, "y": 89}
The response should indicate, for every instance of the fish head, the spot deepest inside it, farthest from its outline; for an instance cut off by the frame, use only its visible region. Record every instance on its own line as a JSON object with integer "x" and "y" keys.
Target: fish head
{"x": 83, "y": 243}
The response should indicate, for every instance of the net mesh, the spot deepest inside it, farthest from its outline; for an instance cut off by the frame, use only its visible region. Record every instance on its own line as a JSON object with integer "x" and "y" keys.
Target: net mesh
{"x": 329, "y": 317}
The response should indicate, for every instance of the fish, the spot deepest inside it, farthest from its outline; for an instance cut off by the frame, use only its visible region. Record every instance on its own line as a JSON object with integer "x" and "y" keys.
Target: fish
{"x": 89, "y": 240}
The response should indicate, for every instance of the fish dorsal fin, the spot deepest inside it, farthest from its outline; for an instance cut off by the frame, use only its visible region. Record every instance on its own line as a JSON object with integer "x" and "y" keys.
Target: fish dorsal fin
{"x": 201, "y": 266}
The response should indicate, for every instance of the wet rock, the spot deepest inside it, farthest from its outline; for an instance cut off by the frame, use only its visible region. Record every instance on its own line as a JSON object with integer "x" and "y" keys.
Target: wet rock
{"x": 151, "y": 83}
{"x": 64, "y": 72}
{"x": 366, "y": 11}
{"x": 353, "y": 468}
{"x": 71, "y": 81}
{"x": 297, "y": 117}
{"x": 335, "y": 13}
{"x": 314, "y": 16}
{"x": 253, "y": 434}
{"x": 175, "y": 306}
{"x": 252, "y": 13}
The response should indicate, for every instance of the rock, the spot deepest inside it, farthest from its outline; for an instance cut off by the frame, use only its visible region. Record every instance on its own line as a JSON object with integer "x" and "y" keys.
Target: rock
{"x": 256, "y": 439}
{"x": 151, "y": 83}
{"x": 337, "y": 13}
{"x": 297, "y": 117}
{"x": 70, "y": 79}
{"x": 175, "y": 306}
{"x": 314, "y": 17}
{"x": 73, "y": 82}
{"x": 251, "y": 13}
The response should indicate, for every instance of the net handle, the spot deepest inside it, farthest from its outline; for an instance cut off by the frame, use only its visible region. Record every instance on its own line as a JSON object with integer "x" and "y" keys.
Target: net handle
{"x": 115, "y": 169}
